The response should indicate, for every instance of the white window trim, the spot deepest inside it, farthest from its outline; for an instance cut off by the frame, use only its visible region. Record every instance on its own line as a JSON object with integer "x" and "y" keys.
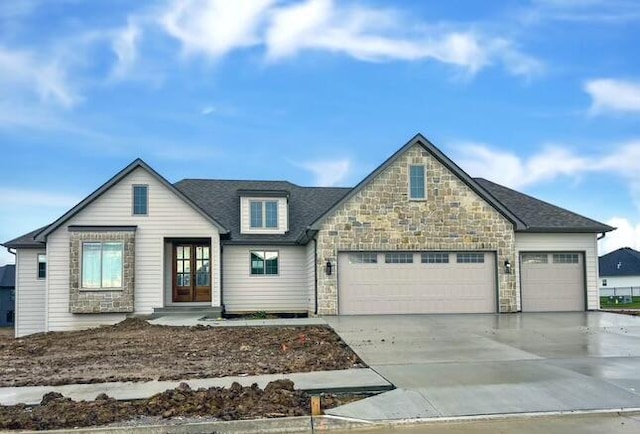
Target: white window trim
{"x": 264, "y": 226}
{"x": 133, "y": 200}
{"x": 101, "y": 288}
{"x": 424, "y": 181}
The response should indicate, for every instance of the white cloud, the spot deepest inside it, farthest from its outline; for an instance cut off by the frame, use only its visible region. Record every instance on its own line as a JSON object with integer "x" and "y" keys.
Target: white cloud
{"x": 328, "y": 173}
{"x": 612, "y": 95}
{"x": 19, "y": 197}
{"x": 215, "y": 27}
{"x": 627, "y": 234}
{"x": 46, "y": 79}
{"x": 125, "y": 46}
{"x": 554, "y": 161}
{"x": 601, "y": 11}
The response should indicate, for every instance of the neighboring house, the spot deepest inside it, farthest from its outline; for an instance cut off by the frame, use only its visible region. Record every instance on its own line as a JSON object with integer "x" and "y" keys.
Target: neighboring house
{"x": 620, "y": 273}
{"x": 7, "y": 295}
{"x": 417, "y": 235}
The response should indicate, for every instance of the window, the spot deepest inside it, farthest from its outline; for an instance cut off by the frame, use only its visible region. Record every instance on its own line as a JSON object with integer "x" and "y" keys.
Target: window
{"x": 470, "y": 258}
{"x": 398, "y": 258}
{"x": 264, "y": 262}
{"x": 416, "y": 182}
{"x": 566, "y": 258}
{"x": 435, "y": 258}
{"x": 42, "y": 266}
{"x": 535, "y": 258}
{"x": 264, "y": 214}
{"x": 604, "y": 282}
{"x": 363, "y": 258}
{"x": 140, "y": 200}
{"x": 102, "y": 265}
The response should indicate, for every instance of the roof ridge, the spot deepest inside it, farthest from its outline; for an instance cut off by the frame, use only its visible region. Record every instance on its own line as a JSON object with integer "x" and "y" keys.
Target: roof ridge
{"x": 262, "y": 181}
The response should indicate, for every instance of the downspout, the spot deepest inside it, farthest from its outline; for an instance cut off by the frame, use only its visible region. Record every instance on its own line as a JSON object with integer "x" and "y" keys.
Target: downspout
{"x": 221, "y": 279}
{"x": 601, "y": 236}
{"x": 9, "y": 250}
{"x": 315, "y": 275}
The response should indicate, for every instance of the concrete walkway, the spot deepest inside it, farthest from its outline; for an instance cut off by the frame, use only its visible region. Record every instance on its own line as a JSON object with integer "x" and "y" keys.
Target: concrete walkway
{"x": 326, "y": 381}
{"x": 467, "y": 365}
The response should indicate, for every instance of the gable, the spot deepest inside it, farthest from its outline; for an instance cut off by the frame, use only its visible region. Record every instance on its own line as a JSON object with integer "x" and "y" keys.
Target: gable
{"x": 115, "y": 180}
{"x": 436, "y": 155}
{"x": 380, "y": 215}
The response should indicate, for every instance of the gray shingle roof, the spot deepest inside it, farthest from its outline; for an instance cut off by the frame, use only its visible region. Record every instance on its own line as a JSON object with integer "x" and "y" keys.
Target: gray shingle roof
{"x": 220, "y": 198}
{"x": 621, "y": 262}
{"x": 8, "y": 276}
{"x": 540, "y": 216}
{"x": 26, "y": 241}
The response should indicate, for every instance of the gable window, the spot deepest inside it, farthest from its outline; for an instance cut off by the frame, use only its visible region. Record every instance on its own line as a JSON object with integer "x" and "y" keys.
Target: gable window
{"x": 140, "y": 200}
{"x": 416, "y": 182}
{"x": 264, "y": 262}
{"x": 42, "y": 266}
{"x": 264, "y": 214}
{"x": 102, "y": 265}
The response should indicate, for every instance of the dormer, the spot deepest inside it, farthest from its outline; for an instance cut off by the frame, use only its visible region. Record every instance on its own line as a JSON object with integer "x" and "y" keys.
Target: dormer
{"x": 264, "y": 211}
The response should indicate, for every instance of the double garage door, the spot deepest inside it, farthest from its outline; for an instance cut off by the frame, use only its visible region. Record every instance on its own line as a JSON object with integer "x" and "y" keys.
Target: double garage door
{"x": 552, "y": 281}
{"x": 416, "y": 282}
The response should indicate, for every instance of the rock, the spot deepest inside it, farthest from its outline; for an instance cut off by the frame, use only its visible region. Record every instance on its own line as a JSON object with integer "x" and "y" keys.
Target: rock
{"x": 50, "y": 397}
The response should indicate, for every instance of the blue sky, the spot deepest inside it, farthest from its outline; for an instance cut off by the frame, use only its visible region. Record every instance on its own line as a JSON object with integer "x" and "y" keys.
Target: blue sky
{"x": 540, "y": 95}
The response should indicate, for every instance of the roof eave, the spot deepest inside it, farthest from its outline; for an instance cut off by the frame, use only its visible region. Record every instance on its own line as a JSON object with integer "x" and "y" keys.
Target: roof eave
{"x": 568, "y": 230}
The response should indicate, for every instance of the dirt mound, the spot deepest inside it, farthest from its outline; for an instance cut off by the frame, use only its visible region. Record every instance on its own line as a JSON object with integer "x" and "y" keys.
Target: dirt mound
{"x": 278, "y": 399}
{"x": 131, "y": 324}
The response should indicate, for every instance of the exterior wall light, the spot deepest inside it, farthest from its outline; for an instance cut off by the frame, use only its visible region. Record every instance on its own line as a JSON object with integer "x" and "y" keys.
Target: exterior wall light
{"x": 328, "y": 268}
{"x": 507, "y": 266}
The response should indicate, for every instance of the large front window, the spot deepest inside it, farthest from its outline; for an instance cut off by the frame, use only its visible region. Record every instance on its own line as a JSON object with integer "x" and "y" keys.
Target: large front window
{"x": 102, "y": 265}
{"x": 264, "y": 214}
{"x": 264, "y": 262}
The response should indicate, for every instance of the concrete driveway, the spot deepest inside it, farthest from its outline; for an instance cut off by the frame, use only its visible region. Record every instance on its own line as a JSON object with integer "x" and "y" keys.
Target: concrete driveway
{"x": 468, "y": 365}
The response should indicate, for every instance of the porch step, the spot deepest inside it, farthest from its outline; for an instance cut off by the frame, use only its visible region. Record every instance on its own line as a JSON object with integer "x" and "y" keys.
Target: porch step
{"x": 205, "y": 311}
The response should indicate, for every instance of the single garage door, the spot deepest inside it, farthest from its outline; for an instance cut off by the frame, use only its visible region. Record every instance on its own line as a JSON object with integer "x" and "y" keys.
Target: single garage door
{"x": 416, "y": 282}
{"x": 552, "y": 281}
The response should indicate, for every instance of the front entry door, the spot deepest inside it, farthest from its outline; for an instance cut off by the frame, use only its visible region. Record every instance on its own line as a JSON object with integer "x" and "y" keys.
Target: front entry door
{"x": 191, "y": 272}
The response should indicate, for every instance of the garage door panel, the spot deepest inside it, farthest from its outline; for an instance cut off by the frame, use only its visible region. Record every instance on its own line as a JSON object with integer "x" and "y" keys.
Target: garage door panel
{"x": 551, "y": 286}
{"x": 416, "y": 287}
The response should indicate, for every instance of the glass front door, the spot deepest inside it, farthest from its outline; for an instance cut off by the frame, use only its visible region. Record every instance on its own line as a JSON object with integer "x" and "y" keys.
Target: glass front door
{"x": 191, "y": 272}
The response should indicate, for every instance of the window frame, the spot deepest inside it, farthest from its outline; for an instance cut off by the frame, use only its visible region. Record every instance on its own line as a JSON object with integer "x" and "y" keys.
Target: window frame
{"x": 264, "y": 268}
{"x": 363, "y": 258}
{"x": 398, "y": 257}
{"x": 535, "y": 258}
{"x": 263, "y": 214}
{"x": 134, "y": 187}
{"x": 410, "y": 182}
{"x": 38, "y": 270}
{"x": 434, "y": 257}
{"x": 101, "y": 288}
{"x": 470, "y": 257}
{"x": 604, "y": 282}
{"x": 563, "y": 258}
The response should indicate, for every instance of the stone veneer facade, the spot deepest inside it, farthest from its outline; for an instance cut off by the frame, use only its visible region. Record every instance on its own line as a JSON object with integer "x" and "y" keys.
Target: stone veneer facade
{"x": 380, "y": 217}
{"x": 119, "y": 300}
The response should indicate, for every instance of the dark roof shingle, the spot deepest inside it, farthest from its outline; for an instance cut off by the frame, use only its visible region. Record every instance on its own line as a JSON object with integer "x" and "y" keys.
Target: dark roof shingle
{"x": 540, "y": 216}
{"x": 8, "y": 276}
{"x": 621, "y": 262}
{"x": 220, "y": 198}
{"x": 26, "y": 241}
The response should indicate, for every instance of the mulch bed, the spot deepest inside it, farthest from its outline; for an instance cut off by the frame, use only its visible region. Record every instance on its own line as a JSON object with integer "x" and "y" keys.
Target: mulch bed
{"x": 135, "y": 350}
{"x": 278, "y": 399}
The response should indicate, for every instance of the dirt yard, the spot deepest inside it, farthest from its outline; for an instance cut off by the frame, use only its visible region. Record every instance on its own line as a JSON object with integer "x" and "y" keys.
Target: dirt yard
{"x": 278, "y": 399}
{"x": 135, "y": 350}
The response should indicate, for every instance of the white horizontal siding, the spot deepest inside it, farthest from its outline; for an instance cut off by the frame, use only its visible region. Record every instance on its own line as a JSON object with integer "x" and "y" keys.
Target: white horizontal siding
{"x": 620, "y": 281}
{"x": 553, "y": 242}
{"x": 30, "y": 294}
{"x": 311, "y": 276}
{"x": 245, "y": 216}
{"x": 169, "y": 217}
{"x": 286, "y": 292}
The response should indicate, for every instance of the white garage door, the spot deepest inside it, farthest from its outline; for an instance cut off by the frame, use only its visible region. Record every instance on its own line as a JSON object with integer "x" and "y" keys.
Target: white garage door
{"x": 552, "y": 282}
{"x": 416, "y": 282}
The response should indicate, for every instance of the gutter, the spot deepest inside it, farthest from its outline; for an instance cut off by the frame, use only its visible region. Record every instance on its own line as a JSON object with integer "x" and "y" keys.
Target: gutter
{"x": 601, "y": 236}
{"x": 9, "y": 250}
